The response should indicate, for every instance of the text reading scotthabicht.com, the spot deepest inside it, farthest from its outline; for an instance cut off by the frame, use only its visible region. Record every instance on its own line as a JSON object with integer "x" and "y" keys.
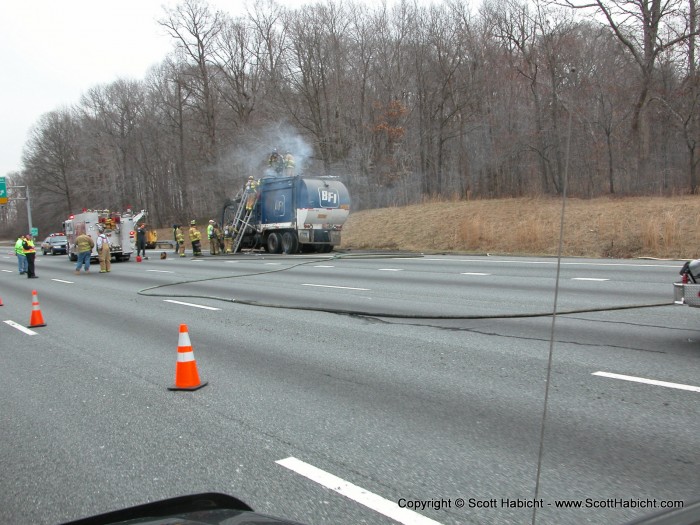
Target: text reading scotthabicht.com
{"x": 512, "y": 503}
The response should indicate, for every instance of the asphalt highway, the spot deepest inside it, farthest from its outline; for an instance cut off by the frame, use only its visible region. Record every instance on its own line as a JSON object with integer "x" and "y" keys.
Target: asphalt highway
{"x": 352, "y": 388}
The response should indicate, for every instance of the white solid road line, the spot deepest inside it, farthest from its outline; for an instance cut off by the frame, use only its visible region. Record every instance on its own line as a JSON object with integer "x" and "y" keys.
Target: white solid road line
{"x": 8, "y": 271}
{"x": 20, "y": 328}
{"x": 339, "y": 287}
{"x": 324, "y": 266}
{"x": 355, "y": 493}
{"x": 654, "y": 382}
{"x": 475, "y": 273}
{"x": 191, "y": 304}
{"x": 160, "y": 271}
{"x": 389, "y": 269}
{"x": 62, "y": 281}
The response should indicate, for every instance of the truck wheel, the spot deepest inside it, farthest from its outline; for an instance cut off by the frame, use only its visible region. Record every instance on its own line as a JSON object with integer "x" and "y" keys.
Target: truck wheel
{"x": 290, "y": 243}
{"x": 325, "y": 248}
{"x": 274, "y": 243}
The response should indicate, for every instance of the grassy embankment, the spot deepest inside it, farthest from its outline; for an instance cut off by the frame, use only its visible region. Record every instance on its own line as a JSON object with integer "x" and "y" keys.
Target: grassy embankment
{"x": 661, "y": 227}
{"x": 606, "y": 227}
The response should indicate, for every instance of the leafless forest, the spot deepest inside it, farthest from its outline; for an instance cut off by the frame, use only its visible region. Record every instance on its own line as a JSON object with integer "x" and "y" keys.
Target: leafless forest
{"x": 404, "y": 102}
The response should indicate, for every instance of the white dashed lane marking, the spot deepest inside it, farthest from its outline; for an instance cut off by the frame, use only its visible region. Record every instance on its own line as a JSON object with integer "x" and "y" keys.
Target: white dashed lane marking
{"x": 20, "y": 327}
{"x": 338, "y": 287}
{"x": 354, "y": 492}
{"x": 191, "y": 304}
{"x": 654, "y": 382}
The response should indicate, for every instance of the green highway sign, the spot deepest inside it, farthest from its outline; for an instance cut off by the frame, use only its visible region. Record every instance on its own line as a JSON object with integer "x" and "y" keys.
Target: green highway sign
{"x": 3, "y": 191}
{"x": 34, "y": 232}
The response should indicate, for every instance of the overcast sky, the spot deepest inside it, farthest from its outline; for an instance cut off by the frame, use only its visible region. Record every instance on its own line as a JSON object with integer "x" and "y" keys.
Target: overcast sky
{"x": 53, "y": 51}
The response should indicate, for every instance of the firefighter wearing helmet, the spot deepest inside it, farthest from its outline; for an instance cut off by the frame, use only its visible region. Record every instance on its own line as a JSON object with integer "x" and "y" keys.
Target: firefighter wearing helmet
{"x": 213, "y": 240}
{"x": 251, "y": 191}
{"x": 274, "y": 159}
{"x": 195, "y": 238}
{"x": 179, "y": 239}
{"x": 276, "y": 162}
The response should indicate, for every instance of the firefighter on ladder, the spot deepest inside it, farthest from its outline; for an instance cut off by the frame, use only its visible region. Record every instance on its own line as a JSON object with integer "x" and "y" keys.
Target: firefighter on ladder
{"x": 251, "y": 190}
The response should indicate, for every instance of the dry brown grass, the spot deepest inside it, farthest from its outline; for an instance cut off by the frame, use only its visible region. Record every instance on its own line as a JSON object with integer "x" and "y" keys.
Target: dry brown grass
{"x": 606, "y": 227}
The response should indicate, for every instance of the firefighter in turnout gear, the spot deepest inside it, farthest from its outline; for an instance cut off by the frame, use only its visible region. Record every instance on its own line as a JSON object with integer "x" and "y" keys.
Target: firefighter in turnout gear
{"x": 289, "y": 164}
{"x": 276, "y": 162}
{"x": 219, "y": 234}
{"x": 274, "y": 159}
{"x": 213, "y": 241}
{"x": 179, "y": 239}
{"x": 228, "y": 238}
{"x": 195, "y": 238}
{"x": 251, "y": 190}
{"x": 103, "y": 253}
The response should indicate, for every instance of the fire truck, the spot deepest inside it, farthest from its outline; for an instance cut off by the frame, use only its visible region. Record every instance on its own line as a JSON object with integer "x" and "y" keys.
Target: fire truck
{"x": 119, "y": 227}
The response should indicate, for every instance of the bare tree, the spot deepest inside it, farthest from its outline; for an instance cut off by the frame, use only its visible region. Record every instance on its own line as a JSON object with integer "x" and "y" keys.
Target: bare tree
{"x": 646, "y": 28}
{"x": 196, "y": 28}
{"x": 111, "y": 115}
{"x": 169, "y": 95}
{"x": 269, "y": 25}
{"x": 408, "y": 101}
{"x": 681, "y": 95}
{"x": 441, "y": 93}
{"x": 240, "y": 72}
{"x": 318, "y": 80}
{"x": 52, "y": 161}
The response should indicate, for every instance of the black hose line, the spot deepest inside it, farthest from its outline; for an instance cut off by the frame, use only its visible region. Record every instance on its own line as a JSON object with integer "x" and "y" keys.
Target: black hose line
{"x": 148, "y": 292}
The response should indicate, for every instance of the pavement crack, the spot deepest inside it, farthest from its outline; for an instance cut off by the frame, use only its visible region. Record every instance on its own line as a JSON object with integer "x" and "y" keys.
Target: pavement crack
{"x": 518, "y": 337}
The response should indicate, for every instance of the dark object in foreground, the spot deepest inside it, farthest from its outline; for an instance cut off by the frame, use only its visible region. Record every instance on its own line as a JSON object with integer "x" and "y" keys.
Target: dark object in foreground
{"x": 196, "y": 509}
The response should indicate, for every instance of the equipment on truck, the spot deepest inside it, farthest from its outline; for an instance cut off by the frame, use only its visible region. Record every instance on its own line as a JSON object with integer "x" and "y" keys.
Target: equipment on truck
{"x": 688, "y": 290}
{"x": 288, "y": 214}
{"x": 119, "y": 227}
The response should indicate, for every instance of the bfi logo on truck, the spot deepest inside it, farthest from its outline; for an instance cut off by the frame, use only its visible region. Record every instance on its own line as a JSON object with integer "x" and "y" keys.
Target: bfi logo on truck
{"x": 280, "y": 206}
{"x": 328, "y": 198}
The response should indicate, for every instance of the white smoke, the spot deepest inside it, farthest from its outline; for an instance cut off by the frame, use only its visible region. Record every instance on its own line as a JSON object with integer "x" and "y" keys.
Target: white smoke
{"x": 251, "y": 154}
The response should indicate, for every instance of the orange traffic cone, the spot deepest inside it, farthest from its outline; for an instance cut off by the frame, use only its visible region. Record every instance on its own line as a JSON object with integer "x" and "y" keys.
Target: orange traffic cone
{"x": 36, "y": 319}
{"x": 186, "y": 376}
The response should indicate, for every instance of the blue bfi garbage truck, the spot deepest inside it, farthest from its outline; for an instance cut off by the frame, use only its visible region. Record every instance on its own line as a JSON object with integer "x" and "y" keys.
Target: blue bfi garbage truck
{"x": 288, "y": 214}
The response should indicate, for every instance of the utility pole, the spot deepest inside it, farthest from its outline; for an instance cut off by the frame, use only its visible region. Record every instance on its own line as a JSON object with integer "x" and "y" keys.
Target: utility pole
{"x": 29, "y": 205}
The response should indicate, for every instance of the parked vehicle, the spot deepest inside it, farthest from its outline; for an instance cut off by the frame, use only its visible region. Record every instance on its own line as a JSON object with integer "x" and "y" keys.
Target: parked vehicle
{"x": 54, "y": 244}
{"x": 119, "y": 227}
{"x": 288, "y": 214}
